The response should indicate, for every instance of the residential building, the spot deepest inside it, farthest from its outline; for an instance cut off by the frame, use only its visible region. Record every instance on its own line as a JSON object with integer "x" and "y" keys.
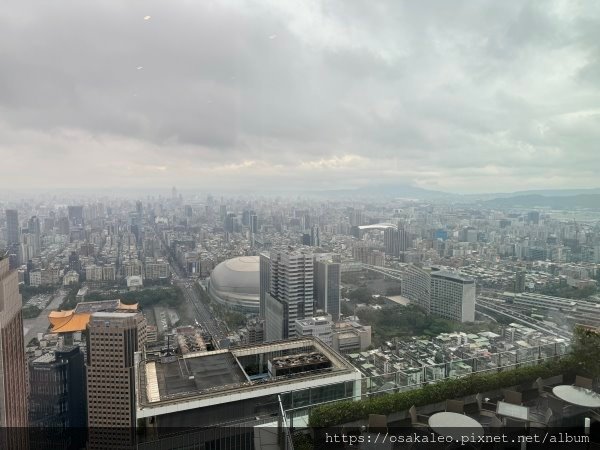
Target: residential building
{"x": 452, "y": 296}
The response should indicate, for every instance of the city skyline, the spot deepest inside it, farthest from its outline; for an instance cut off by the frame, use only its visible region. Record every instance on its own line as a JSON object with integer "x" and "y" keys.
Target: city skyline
{"x": 241, "y": 95}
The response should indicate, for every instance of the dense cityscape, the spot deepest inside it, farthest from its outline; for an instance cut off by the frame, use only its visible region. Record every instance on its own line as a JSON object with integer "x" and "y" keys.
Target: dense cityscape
{"x": 203, "y": 311}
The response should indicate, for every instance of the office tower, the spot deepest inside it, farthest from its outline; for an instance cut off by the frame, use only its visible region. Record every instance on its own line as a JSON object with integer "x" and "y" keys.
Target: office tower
{"x": 290, "y": 296}
{"x": 223, "y": 212}
{"x": 452, "y": 296}
{"x": 76, "y": 215}
{"x": 63, "y": 226}
{"x": 57, "y": 390}
{"x": 327, "y": 287}
{"x": 230, "y": 220}
{"x": 315, "y": 238}
{"x": 34, "y": 229}
{"x": 265, "y": 281}
{"x": 187, "y": 209}
{"x": 253, "y": 223}
{"x": 12, "y": 227}
{"x": 404, "y": 239}
{"x": 113, "y": 338}
{"x": 13, "y": 390}
{"x": 391, "y": 241}
{"x": 246, "y": 217}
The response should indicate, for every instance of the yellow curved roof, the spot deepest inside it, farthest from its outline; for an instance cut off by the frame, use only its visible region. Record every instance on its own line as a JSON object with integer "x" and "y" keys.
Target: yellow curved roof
{"x": 78, "y": 318}
{"x": 61, "y": 313}
{"x": 59, "y": 318}
{"x": 78, "y": 322}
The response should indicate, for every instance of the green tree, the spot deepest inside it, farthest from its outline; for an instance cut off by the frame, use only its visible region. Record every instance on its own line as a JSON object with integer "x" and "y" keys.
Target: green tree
{"x": 586, "y": 349}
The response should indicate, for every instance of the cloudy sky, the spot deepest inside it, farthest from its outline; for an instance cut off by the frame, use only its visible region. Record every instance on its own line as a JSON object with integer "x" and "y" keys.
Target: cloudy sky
{"x": 461, "y": 96}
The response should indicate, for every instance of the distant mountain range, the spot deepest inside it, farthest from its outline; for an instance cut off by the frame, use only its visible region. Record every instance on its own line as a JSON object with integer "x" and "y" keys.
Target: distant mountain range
{"x": 546, "y": 198}
{"x": 591, "y": 201}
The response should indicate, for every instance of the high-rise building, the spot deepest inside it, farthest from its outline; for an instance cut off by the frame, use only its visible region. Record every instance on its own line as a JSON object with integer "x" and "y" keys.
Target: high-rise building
{"x": 404, "y": 239}
{"x": 356, "y": 218}
{"x": 63, "y": 226}
{"x": 519, "y": 281}
{"x": 416, "y": 286}
{"x": 13, "y": 390}
{"x": 76, "y": 215}
{"x": 290, "y": 296}
{"x": 315, "y": 238}
{"x": 391, "y": 242}
{"x": 253, "y": 223}
{"x": 328, "y": 275}
{"x": 34, "y": 229}
{"x": 265, "y": 281}
{"x": 452, "y": 296}
{"x": 230, "y": 222}
{"x": 113, "y": 338}
{"x": 12, "y": 227}
{"x": 57, "y": 390}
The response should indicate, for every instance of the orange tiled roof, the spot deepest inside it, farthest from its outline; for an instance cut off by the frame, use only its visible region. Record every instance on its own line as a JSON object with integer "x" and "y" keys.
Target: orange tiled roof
{"x": 58, "y": 318}
{"x": 78, "y": 322}
{"x": 71, "y": 321}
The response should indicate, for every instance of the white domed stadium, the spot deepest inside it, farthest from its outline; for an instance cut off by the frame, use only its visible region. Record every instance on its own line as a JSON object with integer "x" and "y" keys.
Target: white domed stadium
{"x": 235, "y": 283}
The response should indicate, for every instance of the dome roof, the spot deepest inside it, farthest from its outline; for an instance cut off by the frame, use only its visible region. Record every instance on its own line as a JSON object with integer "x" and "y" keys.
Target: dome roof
{"x": 236, "y": 283}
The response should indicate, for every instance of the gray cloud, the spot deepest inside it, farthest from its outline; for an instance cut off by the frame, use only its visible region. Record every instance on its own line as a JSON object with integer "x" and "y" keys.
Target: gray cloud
{"x": 313, "y": 94}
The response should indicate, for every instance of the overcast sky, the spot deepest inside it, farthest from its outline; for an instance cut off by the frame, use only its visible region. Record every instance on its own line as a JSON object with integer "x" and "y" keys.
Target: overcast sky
{"x": 461, "y": 96}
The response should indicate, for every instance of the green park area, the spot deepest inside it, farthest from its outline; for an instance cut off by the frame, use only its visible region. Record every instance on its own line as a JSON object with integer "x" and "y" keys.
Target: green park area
{"x": 397, "y": 321}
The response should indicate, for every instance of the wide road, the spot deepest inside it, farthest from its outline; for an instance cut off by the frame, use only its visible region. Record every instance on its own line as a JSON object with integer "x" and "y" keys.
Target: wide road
{"x": 203, "y": 314}
{"x": 40, "y": 324}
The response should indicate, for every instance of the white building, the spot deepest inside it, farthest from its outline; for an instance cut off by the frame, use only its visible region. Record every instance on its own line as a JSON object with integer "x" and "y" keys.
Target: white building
{"x": 452, "y": 296}
{"x": 71, "y": 277}
{"x": 35, "y": 278}
{"x": 156, "y": 269}
{"x": 93, "y": 273}
{"x": 134, "y": 282}
{"x": 319, "y": 327}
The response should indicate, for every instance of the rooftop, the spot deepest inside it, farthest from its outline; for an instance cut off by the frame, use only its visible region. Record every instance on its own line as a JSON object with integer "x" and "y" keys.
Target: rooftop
{"x": 183, "y": 375}
{"x": 201, "y": 375}
{"x": 78, "y": 318}
{"x": 453, "y": 276}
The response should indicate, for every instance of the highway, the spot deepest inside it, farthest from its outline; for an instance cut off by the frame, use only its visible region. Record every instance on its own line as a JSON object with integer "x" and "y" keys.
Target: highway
{"x": 204, "y": 316}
